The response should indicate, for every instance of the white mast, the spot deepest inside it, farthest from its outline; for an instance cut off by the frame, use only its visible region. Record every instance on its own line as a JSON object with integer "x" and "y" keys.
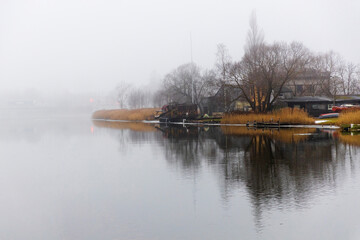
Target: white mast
{"x": 192, "y": 79}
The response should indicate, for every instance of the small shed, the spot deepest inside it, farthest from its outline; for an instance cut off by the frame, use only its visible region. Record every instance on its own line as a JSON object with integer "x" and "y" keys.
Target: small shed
{"x": 315, "y": 106}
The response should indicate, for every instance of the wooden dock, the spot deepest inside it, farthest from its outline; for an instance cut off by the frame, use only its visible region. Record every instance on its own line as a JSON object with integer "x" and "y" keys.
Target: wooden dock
{"x": 256, "y": 124}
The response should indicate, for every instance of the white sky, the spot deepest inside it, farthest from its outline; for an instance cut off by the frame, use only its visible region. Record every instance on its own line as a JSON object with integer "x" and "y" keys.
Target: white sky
{"x": 92, "y": 45}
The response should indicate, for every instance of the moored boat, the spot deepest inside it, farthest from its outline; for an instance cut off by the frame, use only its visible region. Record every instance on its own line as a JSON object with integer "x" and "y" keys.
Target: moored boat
{"x": 343, "y": 107}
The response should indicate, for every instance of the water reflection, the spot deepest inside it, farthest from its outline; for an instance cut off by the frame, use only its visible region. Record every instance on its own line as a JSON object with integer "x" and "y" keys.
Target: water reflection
{"x": 283, "y": 173}
{"x": 349, "y": 138}
{"x": 282, "y": 169}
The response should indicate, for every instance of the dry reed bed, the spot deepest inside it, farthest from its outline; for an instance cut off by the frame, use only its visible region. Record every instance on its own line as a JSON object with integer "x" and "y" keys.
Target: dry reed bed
{"x": 125, "y": 114}
{"x": 135, "y": 126}
{"x": 292, "y": 135}
{"x": 348, "y": 117}
{"x": 285, "y": 115}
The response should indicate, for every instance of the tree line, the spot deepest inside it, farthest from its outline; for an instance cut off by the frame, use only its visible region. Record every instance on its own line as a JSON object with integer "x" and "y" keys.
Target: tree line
{"x": 258, "y": 77}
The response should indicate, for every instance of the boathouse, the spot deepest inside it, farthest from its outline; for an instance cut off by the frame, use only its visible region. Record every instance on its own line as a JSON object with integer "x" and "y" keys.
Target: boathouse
{"x": 316, "y": 106}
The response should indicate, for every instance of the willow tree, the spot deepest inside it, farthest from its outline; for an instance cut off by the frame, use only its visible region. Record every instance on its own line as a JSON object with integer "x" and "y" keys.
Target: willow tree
{"x": 266, "y": 68}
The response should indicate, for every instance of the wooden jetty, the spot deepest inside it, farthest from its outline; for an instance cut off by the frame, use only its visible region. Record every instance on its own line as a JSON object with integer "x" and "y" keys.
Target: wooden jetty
{"x": 271, "y": 124}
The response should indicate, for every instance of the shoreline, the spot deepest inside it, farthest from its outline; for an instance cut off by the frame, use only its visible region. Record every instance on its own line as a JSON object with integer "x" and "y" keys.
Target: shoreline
{"x": 220, "y": 124}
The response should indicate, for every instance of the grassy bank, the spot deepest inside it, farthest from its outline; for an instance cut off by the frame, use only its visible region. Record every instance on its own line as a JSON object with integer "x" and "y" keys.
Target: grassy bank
{"x": 345, "y": 118}
{"x": 125, "y": 114}
{"x": 285, "y": 115}
{"x": 349, "y": 117}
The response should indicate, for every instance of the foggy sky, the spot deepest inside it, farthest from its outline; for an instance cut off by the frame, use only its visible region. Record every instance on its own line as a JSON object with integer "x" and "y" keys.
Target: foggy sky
{"x": 92, "y": 45}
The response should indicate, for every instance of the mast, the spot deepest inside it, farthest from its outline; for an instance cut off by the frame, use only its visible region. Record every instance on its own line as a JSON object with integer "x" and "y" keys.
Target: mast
{"x": 192, "y": 79}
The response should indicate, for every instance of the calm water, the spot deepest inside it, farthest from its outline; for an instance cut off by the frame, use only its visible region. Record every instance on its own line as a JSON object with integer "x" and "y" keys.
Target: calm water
{"x": 66, "y": 177}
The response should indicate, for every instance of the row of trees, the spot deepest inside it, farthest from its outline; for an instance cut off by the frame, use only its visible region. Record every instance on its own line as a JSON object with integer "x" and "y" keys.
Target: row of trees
{"x": 262, "y": 73}
{"x": 128, "y": 96}
{"x": 257, "y": 78}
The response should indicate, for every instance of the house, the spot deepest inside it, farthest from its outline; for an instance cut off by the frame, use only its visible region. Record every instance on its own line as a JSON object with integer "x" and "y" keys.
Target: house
{"x": 308, "y": 83}
{"x": 226, "y": 99}
{"x": 341, "y": 99}
{"x": 316, "y": 106}
{"x": 286, "y": 93}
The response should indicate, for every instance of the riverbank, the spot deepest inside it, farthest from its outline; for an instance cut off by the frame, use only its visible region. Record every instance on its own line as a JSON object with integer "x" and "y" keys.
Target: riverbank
{"x": 347, "y": 121}
{"x": 126, "y": 114}
{"x": 285, "y": 116}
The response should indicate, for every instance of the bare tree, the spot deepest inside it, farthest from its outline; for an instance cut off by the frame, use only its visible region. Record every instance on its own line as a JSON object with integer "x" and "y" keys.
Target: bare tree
{"x": 330, "y": 63}
{"x": 226, "y": 95}
{"x": 188, "y": 84}
{"x": 137, "y": 98}
{"x": 349, "y": 77}
{"x": 336, "y": 76}
{"x": 160, "y": 98}
{"x": 255, "y": 36}
{"x": 223, "y": 63}
{"x": 122, "y": 91}
{"x": 264, "y": 70}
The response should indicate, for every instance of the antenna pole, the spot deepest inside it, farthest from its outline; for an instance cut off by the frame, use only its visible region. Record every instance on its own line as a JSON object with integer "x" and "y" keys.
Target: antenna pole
{"x": 191, "y": 50}
{"x": 192, "y": 79}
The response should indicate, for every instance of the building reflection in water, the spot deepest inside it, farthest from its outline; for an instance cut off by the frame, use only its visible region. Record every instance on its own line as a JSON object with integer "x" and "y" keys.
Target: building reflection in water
{"x": 278, "y": 168}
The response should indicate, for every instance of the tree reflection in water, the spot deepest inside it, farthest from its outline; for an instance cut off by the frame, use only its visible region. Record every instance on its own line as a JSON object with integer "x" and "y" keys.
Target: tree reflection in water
{"x": 278, "y": 168}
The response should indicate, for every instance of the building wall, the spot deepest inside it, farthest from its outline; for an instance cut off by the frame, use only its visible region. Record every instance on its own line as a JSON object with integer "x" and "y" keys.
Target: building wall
{"x": 310, "y": 83}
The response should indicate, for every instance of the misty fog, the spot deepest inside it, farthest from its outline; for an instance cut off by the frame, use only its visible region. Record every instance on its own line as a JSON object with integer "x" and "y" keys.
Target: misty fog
{"x": 53, "y": 51}
{"x": 64, "y": 175}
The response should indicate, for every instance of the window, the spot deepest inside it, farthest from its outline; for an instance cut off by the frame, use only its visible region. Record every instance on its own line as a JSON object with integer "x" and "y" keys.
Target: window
{"x": 311, "y": 89}
{"x": 319, "y": 106}
{"x": 330, "y": 106}
{"x": 299, "y": 88}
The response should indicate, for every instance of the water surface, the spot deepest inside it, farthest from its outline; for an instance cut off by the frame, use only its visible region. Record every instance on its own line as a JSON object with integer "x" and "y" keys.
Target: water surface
{"x": 66, "y": 177}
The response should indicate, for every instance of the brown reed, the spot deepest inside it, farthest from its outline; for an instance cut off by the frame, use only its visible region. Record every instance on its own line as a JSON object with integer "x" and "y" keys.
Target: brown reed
{"x": 284, "y": 115}
{"x": 349, "y": 117}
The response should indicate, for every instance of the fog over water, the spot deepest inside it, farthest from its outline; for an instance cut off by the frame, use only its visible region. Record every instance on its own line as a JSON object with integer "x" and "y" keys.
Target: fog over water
{"x": 78, "y": 46}
{"x": 64, "y": 176}
{"x": 71, "y": 178}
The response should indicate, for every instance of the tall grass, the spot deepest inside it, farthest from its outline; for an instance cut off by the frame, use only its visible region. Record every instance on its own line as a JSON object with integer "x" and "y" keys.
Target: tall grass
{"x": 284, "y": 115}
{"x": 349, "y": 117}
{"x": 125, "y": 114}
